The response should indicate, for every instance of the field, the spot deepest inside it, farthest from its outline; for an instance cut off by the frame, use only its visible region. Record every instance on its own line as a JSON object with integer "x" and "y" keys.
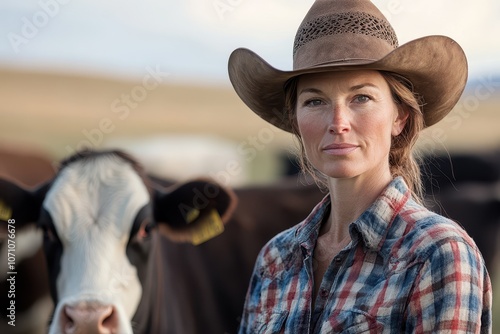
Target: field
{"x": 60, "y": 113}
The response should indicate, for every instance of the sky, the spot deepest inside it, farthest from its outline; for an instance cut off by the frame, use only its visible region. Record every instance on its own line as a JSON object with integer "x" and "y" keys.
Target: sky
{"x": 192, "y": 39}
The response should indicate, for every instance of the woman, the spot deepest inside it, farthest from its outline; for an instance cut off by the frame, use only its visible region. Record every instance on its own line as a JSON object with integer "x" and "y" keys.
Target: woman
{"x": 370, "y": 257}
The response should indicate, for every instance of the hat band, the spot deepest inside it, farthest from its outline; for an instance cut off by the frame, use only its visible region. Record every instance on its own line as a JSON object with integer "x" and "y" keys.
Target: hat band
{"x": 346, "y": 61}
{"x": 340, "y": 23}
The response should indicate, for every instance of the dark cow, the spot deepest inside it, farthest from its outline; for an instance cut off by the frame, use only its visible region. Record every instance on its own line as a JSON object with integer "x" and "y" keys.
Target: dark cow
{"x": 210, "y": 281}
{"x": 102, "y": 222}
{"x": 440, "y": 171}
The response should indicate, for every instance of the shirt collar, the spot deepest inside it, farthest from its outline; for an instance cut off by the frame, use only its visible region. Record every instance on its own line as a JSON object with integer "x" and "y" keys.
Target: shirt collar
{"x": 372, "y": 225}
{"x": 307, "y": 232}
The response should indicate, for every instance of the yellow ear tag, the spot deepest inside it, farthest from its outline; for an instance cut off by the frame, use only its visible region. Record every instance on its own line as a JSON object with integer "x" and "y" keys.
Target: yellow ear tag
{"x": 192, "y": 215}
{"x": 5, "y": 211}
{"x": 210, "y": 226}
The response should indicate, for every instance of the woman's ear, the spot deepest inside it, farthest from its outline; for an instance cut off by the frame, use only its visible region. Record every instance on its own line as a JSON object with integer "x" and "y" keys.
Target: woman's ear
{"x": 400, "y": 120}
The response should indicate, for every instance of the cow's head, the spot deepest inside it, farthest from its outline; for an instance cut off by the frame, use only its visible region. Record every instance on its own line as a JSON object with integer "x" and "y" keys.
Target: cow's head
{"x": 100, "y": 219}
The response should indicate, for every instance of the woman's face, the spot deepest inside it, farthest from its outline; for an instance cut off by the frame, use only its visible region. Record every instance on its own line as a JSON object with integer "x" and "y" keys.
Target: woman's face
{"x": 346, "y": 120}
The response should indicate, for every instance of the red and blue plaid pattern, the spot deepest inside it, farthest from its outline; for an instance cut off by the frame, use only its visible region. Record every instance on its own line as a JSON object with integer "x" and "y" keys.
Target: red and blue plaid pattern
{"x": 406, "y": 270}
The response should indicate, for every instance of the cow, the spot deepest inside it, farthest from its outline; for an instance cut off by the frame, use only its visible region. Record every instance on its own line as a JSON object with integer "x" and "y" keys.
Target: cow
{"x": 211, "y": 280}
{"x": 441, "y": 170}
{"x": 103, "y": 224}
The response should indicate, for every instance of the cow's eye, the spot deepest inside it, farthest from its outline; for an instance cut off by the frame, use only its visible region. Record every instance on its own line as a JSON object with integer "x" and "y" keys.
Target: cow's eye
{"x": 145, "y": 229}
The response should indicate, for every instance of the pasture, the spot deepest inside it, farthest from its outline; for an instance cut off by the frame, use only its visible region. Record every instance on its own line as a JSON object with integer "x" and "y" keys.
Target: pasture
{"x": 61, "y": 112}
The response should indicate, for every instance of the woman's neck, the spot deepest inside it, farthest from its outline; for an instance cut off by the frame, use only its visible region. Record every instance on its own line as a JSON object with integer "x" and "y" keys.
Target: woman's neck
{"x": 349, "y": 199}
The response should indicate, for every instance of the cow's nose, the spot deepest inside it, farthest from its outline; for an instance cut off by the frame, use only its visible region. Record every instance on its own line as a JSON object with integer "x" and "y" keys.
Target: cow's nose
{"x": 89, "y": 318}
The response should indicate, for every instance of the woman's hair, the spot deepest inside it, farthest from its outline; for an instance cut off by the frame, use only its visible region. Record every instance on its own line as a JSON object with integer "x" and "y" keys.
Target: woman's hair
{"x": 402, "y": 161}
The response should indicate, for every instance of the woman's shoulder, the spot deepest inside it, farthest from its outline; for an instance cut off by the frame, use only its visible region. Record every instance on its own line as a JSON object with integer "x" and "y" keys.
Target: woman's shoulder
{"x": 427, "y": 231}
{"x": 429, "y": 224}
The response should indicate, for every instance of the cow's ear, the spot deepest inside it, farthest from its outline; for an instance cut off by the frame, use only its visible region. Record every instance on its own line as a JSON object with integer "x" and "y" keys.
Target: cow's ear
{"x": 194, "y": 211}
{"x": 20, "y": 204}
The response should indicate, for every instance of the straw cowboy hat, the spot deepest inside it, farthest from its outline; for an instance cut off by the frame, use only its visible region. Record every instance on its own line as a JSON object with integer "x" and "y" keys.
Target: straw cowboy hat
{"x": 339, "y": 35}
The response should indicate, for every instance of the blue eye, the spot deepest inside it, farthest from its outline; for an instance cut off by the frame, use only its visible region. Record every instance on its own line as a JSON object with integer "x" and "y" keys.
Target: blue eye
{"x": 313, "y": 103}
{"x": 362, "y": 98}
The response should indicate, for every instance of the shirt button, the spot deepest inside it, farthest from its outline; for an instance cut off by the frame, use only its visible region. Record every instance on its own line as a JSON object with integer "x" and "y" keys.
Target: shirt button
{"x": 337, "y": 259}
{"x": 324, "y": 293}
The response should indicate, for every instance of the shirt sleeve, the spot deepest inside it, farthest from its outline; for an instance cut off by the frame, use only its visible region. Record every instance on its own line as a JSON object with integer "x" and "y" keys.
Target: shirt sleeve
{"x": 452, "y": 292}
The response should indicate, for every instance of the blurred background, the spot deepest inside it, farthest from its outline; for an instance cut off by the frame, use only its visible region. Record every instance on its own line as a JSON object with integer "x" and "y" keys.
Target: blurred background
{"x": 132, "y": 74}
{"x": 151, "y": 77}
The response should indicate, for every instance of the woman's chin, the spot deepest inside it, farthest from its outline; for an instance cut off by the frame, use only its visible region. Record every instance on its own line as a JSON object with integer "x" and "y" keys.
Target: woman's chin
{"x": 337, "y": 173}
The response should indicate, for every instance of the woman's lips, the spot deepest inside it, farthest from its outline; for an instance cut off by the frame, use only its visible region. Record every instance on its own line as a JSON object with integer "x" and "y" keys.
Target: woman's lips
{"x": 339, "y": 149}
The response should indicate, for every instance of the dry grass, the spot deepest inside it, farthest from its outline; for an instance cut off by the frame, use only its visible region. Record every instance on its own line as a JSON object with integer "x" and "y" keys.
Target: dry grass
{"x": 51, "y": 111}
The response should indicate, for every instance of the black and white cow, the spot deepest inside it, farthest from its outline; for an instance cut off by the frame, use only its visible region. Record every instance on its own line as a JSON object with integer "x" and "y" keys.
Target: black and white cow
{"x": 102, "y": 221}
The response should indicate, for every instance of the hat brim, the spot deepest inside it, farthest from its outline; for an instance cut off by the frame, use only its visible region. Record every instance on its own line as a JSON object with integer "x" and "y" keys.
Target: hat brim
{"x": 436, "y": 66}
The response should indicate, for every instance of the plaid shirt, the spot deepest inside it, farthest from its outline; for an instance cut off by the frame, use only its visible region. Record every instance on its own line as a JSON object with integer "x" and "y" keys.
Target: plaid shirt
{"x": 406, "y": 270}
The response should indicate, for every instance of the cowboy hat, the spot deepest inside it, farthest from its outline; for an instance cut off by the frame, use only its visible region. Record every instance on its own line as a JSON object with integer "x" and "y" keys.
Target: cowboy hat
{"x": 340, "y": 35}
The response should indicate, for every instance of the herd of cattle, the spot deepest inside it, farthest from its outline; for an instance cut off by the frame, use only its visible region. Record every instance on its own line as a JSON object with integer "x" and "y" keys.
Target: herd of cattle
{"x": 116, "y": 255}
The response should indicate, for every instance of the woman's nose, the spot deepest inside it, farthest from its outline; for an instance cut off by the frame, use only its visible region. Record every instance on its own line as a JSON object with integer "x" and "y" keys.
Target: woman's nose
{"x": 339, "y": 122}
